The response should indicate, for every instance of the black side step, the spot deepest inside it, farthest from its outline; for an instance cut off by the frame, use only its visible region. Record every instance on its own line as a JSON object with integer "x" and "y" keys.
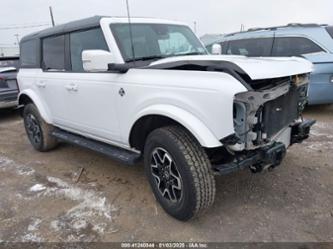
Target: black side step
{"x": 118, "y": 154}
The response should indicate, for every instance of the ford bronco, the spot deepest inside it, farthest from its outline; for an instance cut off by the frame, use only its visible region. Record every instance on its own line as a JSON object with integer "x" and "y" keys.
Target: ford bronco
{"x": 147, "y": 90}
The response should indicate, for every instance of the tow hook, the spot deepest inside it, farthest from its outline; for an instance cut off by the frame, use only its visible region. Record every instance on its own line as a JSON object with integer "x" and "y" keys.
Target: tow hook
{"x": 271, "y": 158}
{"x": 301, "y": 131}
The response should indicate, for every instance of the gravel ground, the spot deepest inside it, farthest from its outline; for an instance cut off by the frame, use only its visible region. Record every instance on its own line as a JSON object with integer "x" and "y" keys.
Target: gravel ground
{"x": 40, "y": 199}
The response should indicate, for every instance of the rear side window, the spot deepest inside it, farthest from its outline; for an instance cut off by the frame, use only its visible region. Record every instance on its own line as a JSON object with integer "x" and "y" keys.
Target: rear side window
{"x": 29, "y": 53}
{"x": 330, "y": 30}
{"x": 251, "y": 47}
{"x": 85, "y": 40}
{"x": 294, "y": 46}
{"x": 54, "y": 53}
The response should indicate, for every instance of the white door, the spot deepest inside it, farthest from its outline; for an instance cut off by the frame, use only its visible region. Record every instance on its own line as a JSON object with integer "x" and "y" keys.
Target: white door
{"x": 80, "y": 102}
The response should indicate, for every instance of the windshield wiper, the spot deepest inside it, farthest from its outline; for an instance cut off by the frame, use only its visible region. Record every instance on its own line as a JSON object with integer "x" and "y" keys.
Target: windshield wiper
{"x": 193, "y": 53}
{"x": 146, "y": 58}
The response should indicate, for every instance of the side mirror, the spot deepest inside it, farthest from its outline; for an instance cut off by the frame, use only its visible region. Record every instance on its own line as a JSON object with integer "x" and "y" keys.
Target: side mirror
{"x": 96, "y": 60}
{"x": 217, "y": 49}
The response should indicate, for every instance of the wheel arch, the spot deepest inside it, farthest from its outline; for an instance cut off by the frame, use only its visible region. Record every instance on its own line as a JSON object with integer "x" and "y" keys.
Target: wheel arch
{"x": 161, "y": 116}
{"x": 27, "y": 97}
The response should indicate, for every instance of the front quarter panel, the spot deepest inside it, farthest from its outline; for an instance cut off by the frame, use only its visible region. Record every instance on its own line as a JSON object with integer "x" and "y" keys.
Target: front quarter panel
{"x": 200, "y": 101}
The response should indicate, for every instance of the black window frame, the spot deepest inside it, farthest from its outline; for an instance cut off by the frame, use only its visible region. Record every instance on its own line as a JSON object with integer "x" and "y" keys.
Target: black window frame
{"x": 68, "y": 45}
{"x": 276, "y": 39}
{"x": 66, "y": 65}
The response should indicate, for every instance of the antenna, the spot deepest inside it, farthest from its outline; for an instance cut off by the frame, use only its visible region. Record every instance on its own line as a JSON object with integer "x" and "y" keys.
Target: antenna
{"x": 130, "y": 30}
{"x": 52, "y": 18}
{"x": 195, "y": 27}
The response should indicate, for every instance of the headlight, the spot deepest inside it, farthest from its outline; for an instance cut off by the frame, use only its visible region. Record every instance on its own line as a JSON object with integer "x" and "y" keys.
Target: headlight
{"x": 331, "y": 79}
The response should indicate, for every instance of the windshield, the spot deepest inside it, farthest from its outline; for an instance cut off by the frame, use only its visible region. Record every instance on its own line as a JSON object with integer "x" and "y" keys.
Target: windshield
{"x": 155, "y": 41}
{"x": 9, "y": 63}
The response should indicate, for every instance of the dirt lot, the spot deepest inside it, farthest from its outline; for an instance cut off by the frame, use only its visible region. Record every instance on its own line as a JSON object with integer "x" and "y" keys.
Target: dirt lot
{"x": 40, "y": 201}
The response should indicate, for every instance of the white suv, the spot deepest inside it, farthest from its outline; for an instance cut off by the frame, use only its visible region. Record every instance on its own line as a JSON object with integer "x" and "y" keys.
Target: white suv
{"x": 150, "y": 91}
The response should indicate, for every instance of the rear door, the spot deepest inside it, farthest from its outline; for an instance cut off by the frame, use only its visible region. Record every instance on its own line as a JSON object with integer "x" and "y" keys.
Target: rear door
{"x": 50, "y": 79}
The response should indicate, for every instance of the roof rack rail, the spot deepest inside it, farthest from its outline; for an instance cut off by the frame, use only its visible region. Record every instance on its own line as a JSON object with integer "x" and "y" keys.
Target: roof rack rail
{"x": 301, "y": 25}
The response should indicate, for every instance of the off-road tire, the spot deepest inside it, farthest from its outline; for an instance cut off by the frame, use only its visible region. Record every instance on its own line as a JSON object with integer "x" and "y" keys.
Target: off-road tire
{"x": 198, "y": 182}
{"x": 46, "y": 142}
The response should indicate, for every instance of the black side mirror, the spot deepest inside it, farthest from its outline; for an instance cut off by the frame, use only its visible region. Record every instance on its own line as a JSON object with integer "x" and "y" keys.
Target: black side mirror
{"x": 118, "y": 68}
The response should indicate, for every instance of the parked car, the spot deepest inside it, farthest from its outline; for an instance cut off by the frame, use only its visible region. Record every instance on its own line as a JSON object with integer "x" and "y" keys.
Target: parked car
{"x": 150, "y": 91}
{"x": 8, "y": 83}
{"x": 311, "y": 41}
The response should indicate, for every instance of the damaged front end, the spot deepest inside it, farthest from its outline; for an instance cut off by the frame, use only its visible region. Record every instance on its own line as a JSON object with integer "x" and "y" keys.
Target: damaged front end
{"x": 267, "y": 120}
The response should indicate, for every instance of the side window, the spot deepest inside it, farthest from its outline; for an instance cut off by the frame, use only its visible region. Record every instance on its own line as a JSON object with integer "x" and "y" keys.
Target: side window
{"x": 251, "y": 47}
{"x": 29, "y": 53}
{"x": 224, "y": 47}
{"x": 329, "y": 29}
{"x": 85, "y": 40}
{"x": 54, "y": 53}
{"x": 294, "y": 46}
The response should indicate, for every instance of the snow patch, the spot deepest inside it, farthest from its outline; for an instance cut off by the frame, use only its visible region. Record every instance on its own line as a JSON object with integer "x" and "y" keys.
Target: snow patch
{"x": 8, "y": 164}
{"x": 31, "y": 237}
{"x": 34, "y": 226}
{"x": 37, "y": 188}
{"x": 90, "y": 213}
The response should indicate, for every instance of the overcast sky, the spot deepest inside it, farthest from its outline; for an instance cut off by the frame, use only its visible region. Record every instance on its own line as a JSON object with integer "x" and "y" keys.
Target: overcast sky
{"x": 212, "y": 16}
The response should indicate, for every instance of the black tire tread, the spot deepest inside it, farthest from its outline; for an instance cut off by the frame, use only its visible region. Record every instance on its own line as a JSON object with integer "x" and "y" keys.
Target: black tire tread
{"x": 199, "y": 166}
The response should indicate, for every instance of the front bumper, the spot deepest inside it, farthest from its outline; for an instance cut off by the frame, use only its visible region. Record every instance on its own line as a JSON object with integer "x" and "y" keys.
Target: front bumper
{"x": 269, "y": 156}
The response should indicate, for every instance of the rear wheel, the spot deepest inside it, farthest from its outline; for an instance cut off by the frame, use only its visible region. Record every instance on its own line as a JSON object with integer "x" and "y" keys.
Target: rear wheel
{"x": 38, "y": 131}
{"x": 179, "y": 172}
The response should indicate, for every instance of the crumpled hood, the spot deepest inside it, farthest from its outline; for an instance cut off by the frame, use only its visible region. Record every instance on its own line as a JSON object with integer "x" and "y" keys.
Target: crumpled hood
{"x": 6, "y": 69}
{"x": 257, "y": 68}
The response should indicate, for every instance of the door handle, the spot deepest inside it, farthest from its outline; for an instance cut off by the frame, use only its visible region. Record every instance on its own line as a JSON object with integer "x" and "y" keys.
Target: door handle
{"x": 41, "y": 84}
{"x": 72, "y": 87}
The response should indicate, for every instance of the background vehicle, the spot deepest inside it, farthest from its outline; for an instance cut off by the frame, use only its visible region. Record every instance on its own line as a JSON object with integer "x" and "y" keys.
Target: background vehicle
{"x": 150, "y": 91}
{"x": 8, "y": 83}
{"x": 311, "y": 41}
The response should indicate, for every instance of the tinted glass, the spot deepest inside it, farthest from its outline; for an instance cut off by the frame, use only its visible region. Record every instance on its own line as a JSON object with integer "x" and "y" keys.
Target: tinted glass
{"x": 294, "y": 46}
{"x": 9, "y": 63}
{"x": 54, "y": 53}
{"x": 330, "y": 30}
{"x": 251, "y": 47}
{"x": 160, "y": 40}
{"x": 29, "y": 53}
{"x": 85, "y": 40}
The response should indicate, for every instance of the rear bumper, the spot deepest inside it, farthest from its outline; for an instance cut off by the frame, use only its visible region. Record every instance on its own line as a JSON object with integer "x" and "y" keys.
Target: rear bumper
{"x": 266, "y": 157}
{"x": 8, "y": 99}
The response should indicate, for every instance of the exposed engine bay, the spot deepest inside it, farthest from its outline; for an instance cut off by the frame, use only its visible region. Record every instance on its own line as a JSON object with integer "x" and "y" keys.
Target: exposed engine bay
{"x": 267, "y": 121}
{"x": 260, "y": 115}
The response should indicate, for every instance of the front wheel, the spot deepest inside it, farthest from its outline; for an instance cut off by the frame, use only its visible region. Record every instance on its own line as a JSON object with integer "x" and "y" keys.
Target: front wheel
{"x": 179, "y": 172}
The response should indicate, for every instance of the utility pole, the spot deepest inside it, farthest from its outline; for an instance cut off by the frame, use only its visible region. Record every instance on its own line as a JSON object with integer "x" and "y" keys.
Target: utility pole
{"x": 17, "y": 38}
{"x": 52, "y": 18}
{"x": 195, "y": 27}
